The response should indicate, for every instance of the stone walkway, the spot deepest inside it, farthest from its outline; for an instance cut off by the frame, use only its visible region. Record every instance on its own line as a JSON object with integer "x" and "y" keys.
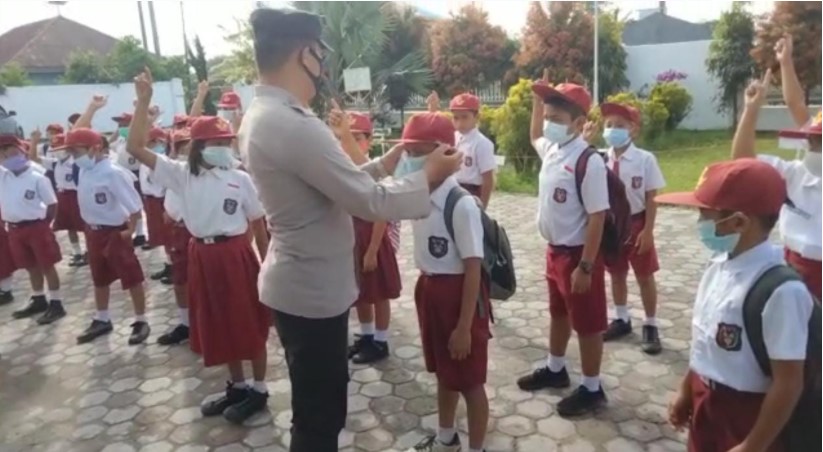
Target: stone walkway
{"x": 57, "y": 396}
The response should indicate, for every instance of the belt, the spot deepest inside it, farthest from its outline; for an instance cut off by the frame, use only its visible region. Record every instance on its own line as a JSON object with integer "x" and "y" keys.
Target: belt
{"x": 565, "y": 248}
{"x": 22, "y": 224}
{"x": 213, "y": 240}
{"x": 105, "y": 227}
{"x": 639, "y": 215}
{"x": 720, "y": 387}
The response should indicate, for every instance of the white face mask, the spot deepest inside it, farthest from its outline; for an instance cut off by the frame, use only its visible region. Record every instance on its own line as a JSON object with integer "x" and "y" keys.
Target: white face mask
{"x": 228, "y": 115}
{"x": 813, "y": 162}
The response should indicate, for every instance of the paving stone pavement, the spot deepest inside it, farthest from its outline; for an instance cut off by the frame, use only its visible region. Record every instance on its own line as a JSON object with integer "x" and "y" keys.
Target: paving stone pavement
{"x": 107, "y": 396}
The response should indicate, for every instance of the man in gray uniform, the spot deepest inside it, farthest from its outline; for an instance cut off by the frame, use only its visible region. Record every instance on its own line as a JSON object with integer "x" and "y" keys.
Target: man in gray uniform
{"x": 310, "y": 189}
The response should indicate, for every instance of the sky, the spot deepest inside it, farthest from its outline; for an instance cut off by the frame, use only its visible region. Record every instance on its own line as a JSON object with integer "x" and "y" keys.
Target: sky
{"x": 209, "y": 18}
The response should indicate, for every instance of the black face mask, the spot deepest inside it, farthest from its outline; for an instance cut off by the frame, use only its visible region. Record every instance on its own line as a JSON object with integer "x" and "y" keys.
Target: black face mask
{"x": 318, "y": 80}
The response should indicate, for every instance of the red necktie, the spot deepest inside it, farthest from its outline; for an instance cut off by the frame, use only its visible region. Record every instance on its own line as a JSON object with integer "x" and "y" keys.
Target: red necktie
{"x": 616, "y": 167}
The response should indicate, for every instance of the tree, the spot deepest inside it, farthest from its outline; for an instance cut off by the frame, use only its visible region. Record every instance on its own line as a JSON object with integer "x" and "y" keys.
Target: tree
{"x": 239, "y": 65}
{"x": 12, "y": 74}
{"x": 561, "y": 43}
{"x": 510, "y": 126}
{"x": 200, "y": 65}
{"x": 410, "y": 33}
{"x": 612, "y": 55}
{"x": 467, "y": 51}
{"x": 802, "y": 20}
{"x": 729, "y": 60}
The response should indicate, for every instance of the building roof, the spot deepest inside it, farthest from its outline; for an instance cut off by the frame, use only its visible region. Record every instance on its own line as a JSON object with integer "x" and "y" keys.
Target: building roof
{"x": 44, "y": 46}
{"x": 659, "y": 28}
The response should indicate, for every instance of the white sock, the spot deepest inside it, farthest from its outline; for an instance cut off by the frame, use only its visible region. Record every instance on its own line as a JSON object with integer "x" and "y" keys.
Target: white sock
{"x": 37, "y": 293}
{"x": 445, "y": 435}
{"x": 183, "y": 316}
{"x": 556, "y": 363}
{"x": 381, "y": 335}
{"x": 140, "y": 318}
{"x": 238, "y": 384}
{"x": 5, "y": 284}
{"x": 591, "y": 383}
{"x": 367, "y": 329}
{"x": 650, "y": 321}
{"x": 55, "y": 295}
{"x": 138, "y": 228}
{"x": 260, "y": 386}
{"x": 75, "y": 247}
{"x": 102, "y": 316}
{"x": 622, "y": 313}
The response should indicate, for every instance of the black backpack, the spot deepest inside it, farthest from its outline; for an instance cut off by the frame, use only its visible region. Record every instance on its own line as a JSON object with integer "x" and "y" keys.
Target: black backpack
{"x": 802, "y": 432}
{"x": 498, "y": 262}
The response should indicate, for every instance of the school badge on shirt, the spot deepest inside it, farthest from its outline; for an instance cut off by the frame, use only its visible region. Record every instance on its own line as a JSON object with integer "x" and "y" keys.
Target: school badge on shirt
{"x": 438, "y": 246}
{"x": 29, "y": 194}
{"x": 229, "y": 206}
{"x": 100, "y": 198}
{"x": 729, "y": 337}
{"x": 468, "y": 161}
{"x": 637, "y": 182}
{"x": 560, "y": 195}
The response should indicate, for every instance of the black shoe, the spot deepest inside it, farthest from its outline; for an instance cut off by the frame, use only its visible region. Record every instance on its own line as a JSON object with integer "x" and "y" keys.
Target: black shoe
{"x": 359, "y": 339}
{"x": 6, "y": 297}
{"x": 96, "y": 329}
{"x": 650, "y": 344}
{"x": 233, "y": 396}
{"x": 138, "y": 240}
{"x": 78, "y": 260}
{"x": 139, "y": 332}
{"x": 544, "y": 378}
{"x": 617, "y": 329}
{"x": 166, "y": 271}
{"x": 36, "y": 305}
{"x": 54, "y": 313}
{"x": 581, "y": 401}
{"x": 431, "y": 444}
{"x": 371, "y": 351}
{"x": 254, "y": 403}
{"x": 147, "y": 246}
{"x": 176, "y": 336}
{"x": 167, "y": 280}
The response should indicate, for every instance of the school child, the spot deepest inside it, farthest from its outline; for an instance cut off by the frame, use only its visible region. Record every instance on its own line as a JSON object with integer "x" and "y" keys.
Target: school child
{"x": 125, "y": 160}
{"x": 110, "y": 207}
{"x": 43, "y": 149}
{"x": 179, "y": 238}
{"x": 229, "y": 325}
{"x": 725, "y": 399}
{"x": 28, "y": 205}
{"x": 479, "y": 164}
{"x": 451, "y": 298}
{"x": 641, "y": 175}
{"x": 573, "y": 230}
{"x": 153, "y": 195}
{"x": 7, "y": 267}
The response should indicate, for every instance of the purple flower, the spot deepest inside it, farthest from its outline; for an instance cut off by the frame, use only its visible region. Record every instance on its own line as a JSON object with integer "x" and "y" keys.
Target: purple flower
{"x": 670, "y": 76}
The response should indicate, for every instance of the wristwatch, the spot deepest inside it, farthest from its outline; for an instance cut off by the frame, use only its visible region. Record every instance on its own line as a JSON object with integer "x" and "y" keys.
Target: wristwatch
{"x": 586, "y": 266}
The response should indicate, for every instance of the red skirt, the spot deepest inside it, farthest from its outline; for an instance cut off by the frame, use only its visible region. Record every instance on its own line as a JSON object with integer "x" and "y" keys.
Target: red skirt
{"x": 7, "y": 266}
{"x": 228, "y": 322}
{"x": 33, "y": 245}
{"x": 111, "y": 257}
{"x": 382, "y": 283}
{"x": 68, "y": 212}
{"x": 809, "y": 269}
{"x": 158, "y": 229}
{"x": 179, "y": 253}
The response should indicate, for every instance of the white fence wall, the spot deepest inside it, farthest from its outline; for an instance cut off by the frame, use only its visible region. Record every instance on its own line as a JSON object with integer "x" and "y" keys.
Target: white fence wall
{"x": 38, "y": 106}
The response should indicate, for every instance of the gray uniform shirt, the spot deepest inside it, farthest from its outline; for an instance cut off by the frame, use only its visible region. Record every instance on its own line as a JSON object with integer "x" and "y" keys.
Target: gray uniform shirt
{"x": 310, "y": 189}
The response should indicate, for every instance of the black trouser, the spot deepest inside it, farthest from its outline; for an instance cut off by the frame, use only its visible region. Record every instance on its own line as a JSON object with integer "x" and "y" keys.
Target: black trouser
{"x": 317, "y": 356}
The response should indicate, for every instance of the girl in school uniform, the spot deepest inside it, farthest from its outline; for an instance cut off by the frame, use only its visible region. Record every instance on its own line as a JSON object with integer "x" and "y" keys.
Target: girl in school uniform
{"x": 229, "y": 325}
{"x": 153, "y": 196}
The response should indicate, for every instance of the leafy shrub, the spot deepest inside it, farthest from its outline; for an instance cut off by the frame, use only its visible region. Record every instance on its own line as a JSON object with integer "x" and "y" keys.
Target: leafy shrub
{"x": 510, "y": 126}
{"x": 485, "y": 123}
{"x": 653, "y": 113}
{"x": 676, "y": 100}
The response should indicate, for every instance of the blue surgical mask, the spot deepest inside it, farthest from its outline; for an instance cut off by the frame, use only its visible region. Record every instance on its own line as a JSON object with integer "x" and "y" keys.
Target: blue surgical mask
{"x": 16, "y": 163}
{"x": 616, "y": 138}
{"x": 159, "y": 149}
{"x": 556, "y": 133}
{"x": 123, "y": 132}
{"x": 408, "y": 165}
{"x": 84, "y": 162}
{"x": 218, "y": 156}
{"x": 707, "y": 229}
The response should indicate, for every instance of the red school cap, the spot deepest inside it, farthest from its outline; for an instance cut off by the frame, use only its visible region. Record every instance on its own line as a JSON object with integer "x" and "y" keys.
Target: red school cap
{"x": 743, "y": 185}
{"x": 180, "y": 119}
{"x": 229, "y": 101}
{"x": 83, "y": 137}
{"x": 211, "y": 128}
{"x": 158, "y": 134}
{"x": 626, "y": 112}
{"x": 54, "y": 127}
{"x": 465, "y": 102}
{"x": 180, "y": 136}
{"x": 429, "y": 127}
{"x": 123, "y": 119}
{"x": 360, "y": 123}
{"x": 57, "y": 143}
{"x": 570, "y": 92}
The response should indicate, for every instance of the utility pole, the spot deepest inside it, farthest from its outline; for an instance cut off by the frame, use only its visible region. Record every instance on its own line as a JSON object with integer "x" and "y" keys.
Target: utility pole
{"x": 142, "y": 26}
{"x": 185, "y": 37}
{"x": 154, "y": 34}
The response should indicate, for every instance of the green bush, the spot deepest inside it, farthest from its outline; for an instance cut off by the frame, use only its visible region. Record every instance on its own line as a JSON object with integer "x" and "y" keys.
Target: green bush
{"x": 510, "y": 126}
{"x": 654, "y": 115}
{"x": 485, "y": 122}
{"x": 675, "y": 98}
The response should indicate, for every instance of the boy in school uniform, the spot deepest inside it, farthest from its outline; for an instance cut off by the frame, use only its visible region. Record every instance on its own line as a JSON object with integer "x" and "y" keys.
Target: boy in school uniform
{"x": 110, "y": 207}
{"x": 153, "y": 196}
{"x": 127, "y": 161}
{"x": 28, "y": 205}
{"x": 574, "y": 267}
{"x": 641, "y": 175}
{"x": 452, "y": 300}
{"x": 726, "y": 400}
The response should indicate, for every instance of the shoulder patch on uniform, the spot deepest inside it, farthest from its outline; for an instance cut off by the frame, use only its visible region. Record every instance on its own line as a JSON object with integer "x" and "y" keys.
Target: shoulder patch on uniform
{"x": 729, "y": 337}
{"x": 438, "y": 246}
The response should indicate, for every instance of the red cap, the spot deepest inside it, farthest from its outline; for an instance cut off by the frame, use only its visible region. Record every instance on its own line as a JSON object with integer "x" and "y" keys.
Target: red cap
{"x": 360, "y": 122}
{"x": 465, "y": 102}
{"x": 211, "y": 128}
{"x": 6, "y": 140}
{"x": 83, "y": 137}
{"x": 744, "y": 185}
{"x": 570, "y": 92}
{"x": 58, "y": 142}
{"x": 56, "y": 128}
{"x": 229, "y": 100}
{"x": 180, "y": 120}
{"x": 812, "y": 128}
{"x": 124, "y": 119}
{"x": 180, "y": 136}
{"x": 428, "y": 128}
{"x": 626, "y": 112}
{"x": 158, "y": 134}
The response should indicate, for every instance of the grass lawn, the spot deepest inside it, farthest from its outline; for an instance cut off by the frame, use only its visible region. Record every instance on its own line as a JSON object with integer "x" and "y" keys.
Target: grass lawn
{"x": 682, "y": 156}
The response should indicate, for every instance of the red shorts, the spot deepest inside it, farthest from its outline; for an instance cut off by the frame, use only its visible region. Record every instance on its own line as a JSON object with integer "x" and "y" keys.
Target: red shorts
{"x": 473, "y": 189}
{"x": 33, "y": 245}
{"x": 228, "y": 322}
{"x": 809, "y": 269}
{"x": 382, "y": 283}
{"x": 158, "y": 229}
{"x": 179, "y": 253}
{"x": 644, "y": 265}
{"x": 721, "y": 416}
{"x": 111, "y": 257}
{"x": 68, "y": 212}
{"x": 438, "y": 299}
{"x": 7, "y": 266}
{"x": 587, "y": 310}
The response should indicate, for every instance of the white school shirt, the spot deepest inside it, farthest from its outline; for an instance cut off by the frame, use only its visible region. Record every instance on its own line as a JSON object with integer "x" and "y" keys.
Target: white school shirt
{"x": 800, "y": 226}
{"x": 640, "y": 174}
{"x": 434, "y": 250}
{"x": 478, "y": 156}
{"x": 173, "y": 205}
{"x": 561, "y": 218}
{"x": 26, "y": 196}
{"x": 720, "y": 348}
{"x": 216, "y": 202}
{"x": 148, "y": 185}
{"x": 63, "y": 174}
{"x": 122, "y": 157}
{"x": 106, "y": 194}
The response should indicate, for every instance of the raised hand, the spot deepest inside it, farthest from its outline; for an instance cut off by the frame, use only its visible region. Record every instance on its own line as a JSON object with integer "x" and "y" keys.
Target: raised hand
{"x": 339, "y": 121}
{"x": 35, "y": 136}
{"x": 98, "y": 101}
{"x": 143, "y": 85}
{"x": 755, "y": 94}
{"x": 203, "y": 88}
{"x": 784, "y": 48}
{"x": 433, "y": 102}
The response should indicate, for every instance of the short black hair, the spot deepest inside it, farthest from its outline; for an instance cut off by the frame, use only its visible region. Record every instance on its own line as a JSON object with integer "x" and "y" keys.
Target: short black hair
{"x": 766, "y": 222}
{"x": 272, "y": 54}
{"x": 569, "y": 107}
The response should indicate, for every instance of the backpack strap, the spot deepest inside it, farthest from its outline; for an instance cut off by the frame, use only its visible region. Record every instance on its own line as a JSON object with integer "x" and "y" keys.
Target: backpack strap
{"x": 580, "y": 171}
{"x": 455, "y": 195}
{"x": 753, "y": 306}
